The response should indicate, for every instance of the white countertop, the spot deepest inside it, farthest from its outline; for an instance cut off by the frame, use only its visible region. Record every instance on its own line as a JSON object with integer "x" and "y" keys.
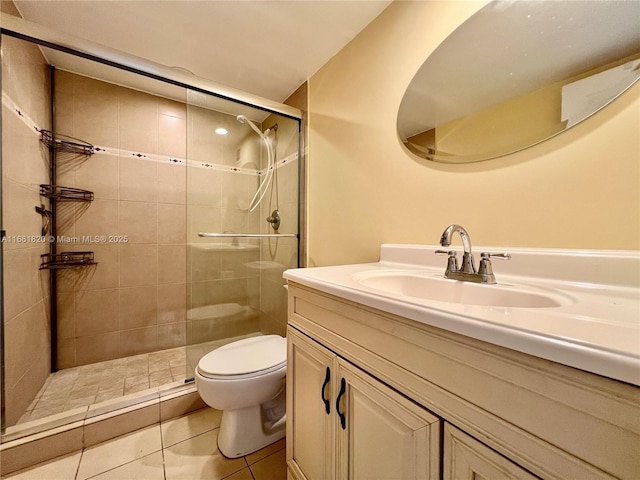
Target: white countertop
{"x": 596, "y": 328}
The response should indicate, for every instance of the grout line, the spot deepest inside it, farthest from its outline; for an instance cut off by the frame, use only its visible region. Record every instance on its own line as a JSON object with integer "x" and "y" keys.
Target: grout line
{"x": 80, "y": 460}
{"x": 127, "y": 463}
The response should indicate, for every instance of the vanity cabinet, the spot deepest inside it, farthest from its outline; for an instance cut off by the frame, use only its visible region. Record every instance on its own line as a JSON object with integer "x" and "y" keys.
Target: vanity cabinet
{"x": 465, "y": 457}
{"x": 343, "y": 423}
{"x": 423, "y": 402}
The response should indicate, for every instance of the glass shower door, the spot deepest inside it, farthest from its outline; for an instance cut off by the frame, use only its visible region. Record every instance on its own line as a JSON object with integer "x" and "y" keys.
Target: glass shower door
{"x": 242, "y": 221}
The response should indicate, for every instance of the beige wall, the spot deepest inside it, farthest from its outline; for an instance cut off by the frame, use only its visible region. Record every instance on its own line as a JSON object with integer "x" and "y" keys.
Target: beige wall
{"x": 579, "y": 190}
{"x": 27, "y": 342}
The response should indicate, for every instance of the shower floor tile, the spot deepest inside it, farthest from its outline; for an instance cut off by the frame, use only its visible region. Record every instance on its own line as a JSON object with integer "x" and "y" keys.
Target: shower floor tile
{"x": 98, "y": 382}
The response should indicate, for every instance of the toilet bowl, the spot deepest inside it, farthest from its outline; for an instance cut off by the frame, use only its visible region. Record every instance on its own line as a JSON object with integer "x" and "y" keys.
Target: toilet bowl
{"x": 246, "y": 380}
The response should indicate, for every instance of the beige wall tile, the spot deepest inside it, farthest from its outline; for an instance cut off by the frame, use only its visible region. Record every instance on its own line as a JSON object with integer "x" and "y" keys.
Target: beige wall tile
{"x": 138, "y": 180}
{"x": 99, "y": 174}
{"x": 172, "y": 224}
{"x": 172, "y": 136}
{"x": 25, "y": 78}
{"x": 29, "y": 339}
{"x": 237, "y": 191}
{"x": 20, "y": 143}
{"x": 138, "y": 121}
{"x": 138, "y": 265}
{"x": 139, "y": 222}
{"x": 204, "y": 187}
{"x": 66, "y": 353}
{"x": 97, "y": 348}
{"x": 18, "y": 215}
{"x": 171, "y": 335}
{"x": 66, "y": 216}
{"x": 203, "y": 219}
{"x": 96, "y": 312}
{"x": 17, "y": 282}
{"x": 172, "y": 183}
{"x": 172, "y": 301}
{"x": 100, "y": 218}
{"x": 103, "y": 275}
{"x": 20, "y": 396}
{"x": 172, "y": 265}
{"x": 172, "y": 107}
{"x": 40, "y": 288}
{"x": 139, "y": 340}
{"x": 64, "y": 82}
{"x": 138, "y": 307}
{"x": 95, "y": 114}
{"x": 66, "y": 315}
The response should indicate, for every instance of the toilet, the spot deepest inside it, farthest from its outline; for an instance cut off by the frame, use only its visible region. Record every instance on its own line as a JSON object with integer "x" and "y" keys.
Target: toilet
{"x": 246, "y": 380}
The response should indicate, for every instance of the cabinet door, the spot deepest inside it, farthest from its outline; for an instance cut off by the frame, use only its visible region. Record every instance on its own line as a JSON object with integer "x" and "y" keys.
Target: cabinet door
{"x": 310, "y": 377}
{"x": 466, "y": 458}
{"x": 382, "y": 434}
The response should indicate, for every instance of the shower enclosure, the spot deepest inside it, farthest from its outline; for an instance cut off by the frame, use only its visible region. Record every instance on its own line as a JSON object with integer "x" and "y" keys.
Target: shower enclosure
{"x": 146, "y": 219}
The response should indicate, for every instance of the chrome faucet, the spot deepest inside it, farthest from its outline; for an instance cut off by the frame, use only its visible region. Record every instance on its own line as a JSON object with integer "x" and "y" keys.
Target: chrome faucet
{"x": 467, "y": 271}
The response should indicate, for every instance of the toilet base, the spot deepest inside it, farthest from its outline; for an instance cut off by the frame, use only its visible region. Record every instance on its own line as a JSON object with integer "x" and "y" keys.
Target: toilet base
{"x": 246, "y": 430}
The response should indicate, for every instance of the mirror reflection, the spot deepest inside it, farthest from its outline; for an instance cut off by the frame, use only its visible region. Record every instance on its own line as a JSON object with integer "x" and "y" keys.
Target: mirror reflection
{"x": 517, "y": 73}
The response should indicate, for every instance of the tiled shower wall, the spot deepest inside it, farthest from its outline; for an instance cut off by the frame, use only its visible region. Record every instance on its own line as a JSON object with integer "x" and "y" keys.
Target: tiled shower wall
{"x": 25, "y": 84}
{"x": 163, "y": 285}
{"x": 133, "y": 301}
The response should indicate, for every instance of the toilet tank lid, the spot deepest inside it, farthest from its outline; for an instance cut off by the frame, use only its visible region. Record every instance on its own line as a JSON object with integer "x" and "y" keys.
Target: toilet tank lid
{"x": 249, "y": 355}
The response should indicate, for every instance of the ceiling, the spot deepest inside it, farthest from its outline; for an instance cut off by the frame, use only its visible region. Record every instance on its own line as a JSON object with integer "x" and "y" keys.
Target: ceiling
{"x": 266, "y": 48}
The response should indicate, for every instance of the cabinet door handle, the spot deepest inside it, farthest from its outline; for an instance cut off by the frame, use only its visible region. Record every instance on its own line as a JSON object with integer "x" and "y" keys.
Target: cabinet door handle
{"x": 325, "y": 400}
{"x": 343, "y": 418}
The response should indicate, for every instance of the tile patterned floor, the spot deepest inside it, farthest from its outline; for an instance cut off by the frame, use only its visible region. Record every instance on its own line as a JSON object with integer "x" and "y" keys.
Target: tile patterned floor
{"x": 89, "y": 384}
{"x": 180, "y": 448}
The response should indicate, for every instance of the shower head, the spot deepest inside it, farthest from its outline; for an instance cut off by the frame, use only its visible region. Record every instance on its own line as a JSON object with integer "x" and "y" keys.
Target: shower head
{"x": 243, "y": 119}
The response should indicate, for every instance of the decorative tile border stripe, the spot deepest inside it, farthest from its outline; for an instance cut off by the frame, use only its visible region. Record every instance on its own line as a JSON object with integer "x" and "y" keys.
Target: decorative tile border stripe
{"x": 104, "y": 150}
{"x": 20, "y": 113}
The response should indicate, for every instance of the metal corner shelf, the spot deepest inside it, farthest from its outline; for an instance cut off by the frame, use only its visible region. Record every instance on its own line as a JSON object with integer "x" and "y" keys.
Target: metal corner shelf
{"x": 64, "y": 143}
{"x": 65, "y": 194}
{"x": 66, "y": 260}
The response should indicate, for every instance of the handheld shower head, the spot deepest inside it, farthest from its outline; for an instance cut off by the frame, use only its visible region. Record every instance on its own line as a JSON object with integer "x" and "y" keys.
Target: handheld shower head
{"x": 243, "y": 119}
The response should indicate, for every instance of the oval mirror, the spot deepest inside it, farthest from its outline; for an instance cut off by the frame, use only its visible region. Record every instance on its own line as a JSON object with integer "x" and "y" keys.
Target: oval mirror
{"x": 517, "y": 73}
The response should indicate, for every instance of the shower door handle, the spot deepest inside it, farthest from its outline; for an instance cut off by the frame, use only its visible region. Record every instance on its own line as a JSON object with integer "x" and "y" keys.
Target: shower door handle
{"x": 343, "y": 417}
{"x": 325, "y": 400}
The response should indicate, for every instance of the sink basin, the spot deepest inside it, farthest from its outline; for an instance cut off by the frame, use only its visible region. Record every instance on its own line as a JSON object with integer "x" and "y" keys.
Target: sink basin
{"x": 434, "y": 287}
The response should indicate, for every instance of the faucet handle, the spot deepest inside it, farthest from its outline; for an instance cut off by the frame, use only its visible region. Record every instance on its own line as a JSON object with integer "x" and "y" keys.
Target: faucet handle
{"x": 485, "y": 270}
{"x": 501, "y": 256}
{"x": 452, "y": 263}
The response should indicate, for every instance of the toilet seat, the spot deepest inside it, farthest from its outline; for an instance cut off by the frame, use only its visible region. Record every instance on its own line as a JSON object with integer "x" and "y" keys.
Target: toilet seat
{"x": 250, "y": 357}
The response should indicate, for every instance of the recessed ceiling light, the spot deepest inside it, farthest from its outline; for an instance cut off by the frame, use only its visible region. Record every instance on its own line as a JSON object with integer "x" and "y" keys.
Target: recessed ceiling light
{"x": 221, "y": 131}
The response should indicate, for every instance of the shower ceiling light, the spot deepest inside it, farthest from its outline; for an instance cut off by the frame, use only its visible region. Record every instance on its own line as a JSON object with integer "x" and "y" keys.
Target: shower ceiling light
{"x": 221, "y": 131}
